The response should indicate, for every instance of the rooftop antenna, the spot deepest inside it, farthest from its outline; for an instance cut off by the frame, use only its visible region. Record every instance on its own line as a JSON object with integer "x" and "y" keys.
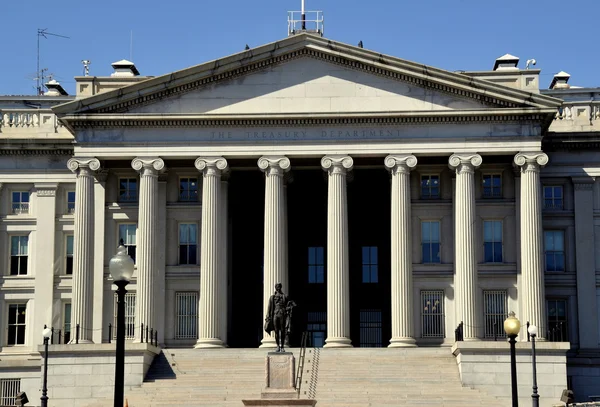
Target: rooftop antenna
{"x": 86, "y": 66}
{"x": 42, "y": 32}
{"x": 303, "y": 16}
{"x": 131, "y": 46}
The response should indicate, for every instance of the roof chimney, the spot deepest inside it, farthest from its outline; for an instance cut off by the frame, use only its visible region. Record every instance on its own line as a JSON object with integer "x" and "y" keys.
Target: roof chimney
{"x": 560, "y": 81}
{"x": 506, "y": 62}
{"x": 54, "y": 89}
{"x": 124, "y": 68}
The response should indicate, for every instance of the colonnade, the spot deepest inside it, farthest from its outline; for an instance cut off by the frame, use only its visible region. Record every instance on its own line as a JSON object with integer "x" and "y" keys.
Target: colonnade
{"x": 212, "y": 326}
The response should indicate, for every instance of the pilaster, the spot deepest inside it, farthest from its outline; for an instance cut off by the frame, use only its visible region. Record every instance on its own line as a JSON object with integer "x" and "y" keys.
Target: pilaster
{"x": 400, "y": 166}
{"x": 274, "y": 168}
{"x": 338, "y": 290}
{"x": 83, "y": 254}
{"x": 209, "y": 314}
{"x": 465, "y": 243}
{"x": 586, "y": 267}
{"x": 532, "y": 294}
{"x": 146, "y": 256}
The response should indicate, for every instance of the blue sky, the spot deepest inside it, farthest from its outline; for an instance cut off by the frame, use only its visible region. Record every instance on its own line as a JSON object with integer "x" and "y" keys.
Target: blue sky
{"x": 168, "y": 36}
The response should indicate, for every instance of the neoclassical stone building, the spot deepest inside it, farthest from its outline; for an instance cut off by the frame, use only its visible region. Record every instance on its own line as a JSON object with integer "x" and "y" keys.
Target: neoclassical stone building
{"x": 392, "y": 200}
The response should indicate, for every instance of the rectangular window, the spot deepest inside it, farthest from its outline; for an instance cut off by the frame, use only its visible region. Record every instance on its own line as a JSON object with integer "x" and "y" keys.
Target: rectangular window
{"x": 71, "y": 202}
{"x": 369, "y": 264}
{"x": 127, "y": 234}
{"x": 370, "y": 328}
{"x": 69, "y": 254}
{"x": 430, "y": 242}
{"x": 492, "y": 185}
{"x": 494, "y": 313}
{"x": 430, "y": 186}
{"x": 554, "y": 246}
{"x": 129, "y": 316}
{"x": 128, "y": 190}
{"x": 16, "y": 324}
{"x": 492, "y": 241}
{"x": 316, "y": 328}
{"x": 553, "y": 197}
{"x": 20, "y": 202}
{"x": 557, "y": 321}
{"x": 9, "y": 388}
{"x": 18, "y": 255}
{"x": 67, "y": 323}
{"x": 187, "y": 315}
{"x": 188, "y": 189}
{"x": 316, "y": 265}
{"x": 432, "y": 314}
{"x": 188, "y": 243}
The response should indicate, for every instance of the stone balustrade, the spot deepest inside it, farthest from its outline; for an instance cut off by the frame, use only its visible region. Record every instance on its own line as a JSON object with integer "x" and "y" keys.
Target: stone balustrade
{"x": 579, "y": 110}
{"x": 29, "y": 120}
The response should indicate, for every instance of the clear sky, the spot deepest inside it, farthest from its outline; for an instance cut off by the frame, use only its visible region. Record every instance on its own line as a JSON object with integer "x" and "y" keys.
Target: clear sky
{"x": 175, "y": 34}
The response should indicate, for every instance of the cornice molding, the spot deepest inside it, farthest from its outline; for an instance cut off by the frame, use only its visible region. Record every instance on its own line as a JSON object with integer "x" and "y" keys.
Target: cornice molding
{"x": 36, "y": 152}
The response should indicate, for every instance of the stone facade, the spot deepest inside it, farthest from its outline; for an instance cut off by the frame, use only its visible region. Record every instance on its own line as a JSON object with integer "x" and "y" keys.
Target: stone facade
{"x": 489, "y": 187}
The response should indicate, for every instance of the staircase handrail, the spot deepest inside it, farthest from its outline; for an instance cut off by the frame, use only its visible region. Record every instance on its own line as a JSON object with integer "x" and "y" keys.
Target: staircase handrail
{"x": 301, "y": 358}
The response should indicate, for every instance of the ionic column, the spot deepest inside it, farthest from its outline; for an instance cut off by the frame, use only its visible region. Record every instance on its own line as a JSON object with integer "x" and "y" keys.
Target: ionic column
{"x": 275, "y": 228}
{"x": 223, "y": 275}
{"x": 209, "y": 324}
{"x": 338, "y": 285}
{"x": 82, "y": 302}
{"x": 532, "y": 294}
{"x": 465, "y": 242}
{"x": 146, "y": 256}
{"x": 400, "y": 166}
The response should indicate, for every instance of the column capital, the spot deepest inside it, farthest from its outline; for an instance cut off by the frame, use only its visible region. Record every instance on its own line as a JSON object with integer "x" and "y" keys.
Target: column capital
{"x": 464, "y": 162}
{"x": 86, "y": 164}
{"x": 531, "y": 161}
{"x": 211, "y": 165}
{"x": 148, "y": 165}
{"x": 400, "y": 163}
{"x": 337, "y": 164}
{"x": 274, "y": 165}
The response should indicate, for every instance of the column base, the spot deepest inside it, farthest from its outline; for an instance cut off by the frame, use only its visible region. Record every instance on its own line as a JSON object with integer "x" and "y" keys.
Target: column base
{"x": 402, "y": 343}
{"x": 338, "y": 343}
{"x": 268, "y": 342}
{"x": 81, "y": 341}
{"x": 471, "y": 339}
{"x": 209, "y": 343}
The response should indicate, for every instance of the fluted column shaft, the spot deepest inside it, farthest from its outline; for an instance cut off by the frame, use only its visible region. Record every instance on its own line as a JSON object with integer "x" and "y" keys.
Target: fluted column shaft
{"x": 211, "y": 306}
{"x": 274, "y": 270}
{"x": 83, "y": 259}
{"x": 465, "y": 241}
{"x": 532, "y": 294}
{"x": 146, "y": 258}
{"x": 223, "y": 229}
{"x": 401, "y": 267}
{"x": 338, "y": 284}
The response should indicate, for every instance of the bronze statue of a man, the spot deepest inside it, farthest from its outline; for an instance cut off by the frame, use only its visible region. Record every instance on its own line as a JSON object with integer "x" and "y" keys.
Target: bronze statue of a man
{"x": 277, "y": 316}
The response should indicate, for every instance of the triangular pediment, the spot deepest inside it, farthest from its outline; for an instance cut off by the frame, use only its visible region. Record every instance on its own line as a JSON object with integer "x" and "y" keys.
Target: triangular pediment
{"x": 306, "y": 74}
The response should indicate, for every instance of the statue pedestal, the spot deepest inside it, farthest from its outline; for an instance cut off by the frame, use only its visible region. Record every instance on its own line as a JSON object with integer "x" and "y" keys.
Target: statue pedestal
{"x": 280, "y": 383}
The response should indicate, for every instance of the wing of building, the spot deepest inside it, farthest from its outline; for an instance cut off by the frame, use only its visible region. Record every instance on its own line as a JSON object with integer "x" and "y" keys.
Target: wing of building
{"x": 398, "y": 204}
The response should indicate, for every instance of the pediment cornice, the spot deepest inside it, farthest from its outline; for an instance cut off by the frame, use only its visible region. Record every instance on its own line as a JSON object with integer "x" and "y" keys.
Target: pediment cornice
{"x": 305, "y": 46}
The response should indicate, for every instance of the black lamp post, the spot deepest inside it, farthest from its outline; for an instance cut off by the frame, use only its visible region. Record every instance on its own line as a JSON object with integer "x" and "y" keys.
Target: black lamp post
{"x": 535, "y": 397}
{"x": 512, "y": 326}
{"x": 46, "y": 333}
{"x": 121, "y": 270}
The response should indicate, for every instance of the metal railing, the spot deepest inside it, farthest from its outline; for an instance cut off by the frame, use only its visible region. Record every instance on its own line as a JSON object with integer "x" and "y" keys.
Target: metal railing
{"x": 187, "y": 315}
{"x": 9, "y": 388}
{"x": 432, "y": 314}
{"x": 301, "y": 358}
{"x": 19, "y": 208}
{"x": 310, "y": 21}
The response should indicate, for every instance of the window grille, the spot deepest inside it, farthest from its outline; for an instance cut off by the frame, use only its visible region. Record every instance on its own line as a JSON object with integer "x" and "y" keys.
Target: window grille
{"x": 20, "y": 202}
{"x": 188, "y": 189}
{"x": 19, "y": 248}
{"x": 370, "y": 328}
{"x": 492, "y": 241}
{"x": 9, "y": 388}
{"x": 430, "y": 186}
{"x": 369, "y": 264}
{"x": 129, "y": 316}
{"x": 494, "y": 313}
{"x": 432, "y": 314}
{"x": 316, "y": 328}
{"x": 316, "y": 264}
{"x": 554, "y": 246}
{"x": 553, "y": 197}
{"x": 492, "y": 185}
{"x": 187, "y": 315}
{"x": 430, "y": 242}
{"x": 128, "y": 191}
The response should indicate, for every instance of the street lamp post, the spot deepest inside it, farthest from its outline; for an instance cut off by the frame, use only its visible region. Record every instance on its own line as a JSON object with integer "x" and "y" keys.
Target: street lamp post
{"x": 46, "y": 333}
{"x": 121, "y": 270}
{"x": 535, "y": 397}
{"x": 512, "y": 326}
